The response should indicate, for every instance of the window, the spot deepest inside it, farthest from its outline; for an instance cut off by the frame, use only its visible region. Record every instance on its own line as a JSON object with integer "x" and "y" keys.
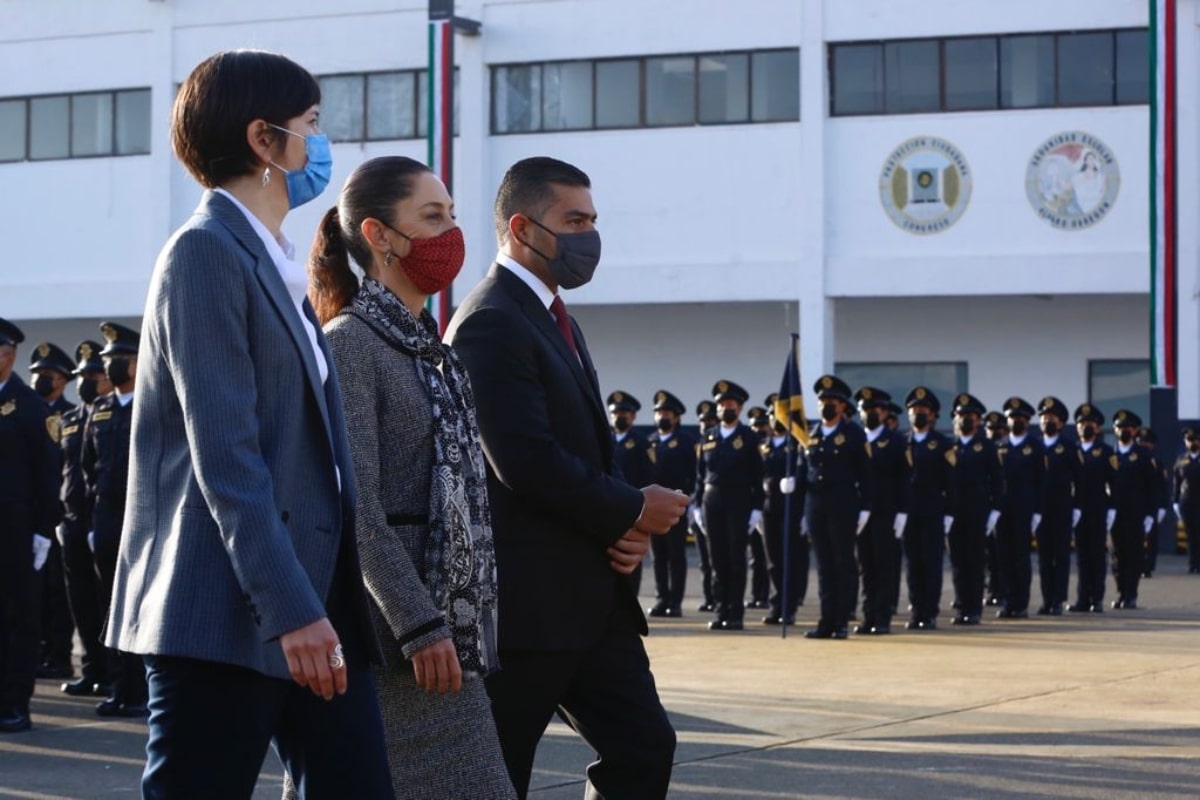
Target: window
{"x": 343, "y": 107}
{"x": 374, "y": 106}
{"x": 133, "y": 122}
{"x": 81, "y": 125}
{"x": 1117, "y": 384}
{"x": 945, "y": 379}
{"x": 49, "y": 127}
{"x": 392, "y": 105}
{"x": 676, "y": 90}
{"x": 12, "y": 130}
{"x": 1043, "y": 70}
{"x": 91, "y": 124}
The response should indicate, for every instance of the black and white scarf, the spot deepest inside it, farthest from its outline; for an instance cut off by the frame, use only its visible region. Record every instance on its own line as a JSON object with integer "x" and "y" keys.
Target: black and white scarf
{"x": 460, "y": 555}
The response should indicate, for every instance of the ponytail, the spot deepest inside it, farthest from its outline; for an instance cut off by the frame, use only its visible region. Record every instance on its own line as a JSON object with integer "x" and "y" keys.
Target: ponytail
{"x": 331, "y": 282}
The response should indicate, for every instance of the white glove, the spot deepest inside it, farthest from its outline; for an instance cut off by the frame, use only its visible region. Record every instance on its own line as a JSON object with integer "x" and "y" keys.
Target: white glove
{"x": 947, "y": 524}
{"x": 1037, "y": 521}
{"x": 1175, "y": 508}
{"x": 899, "y": 524}
{"x": 863, "y": 516}
{"x": 1076, "y": 515}
{"x": 1109, "y": 519}
{"x": 1162, "y": 512}
{"x": 1148, "y": 523}
{"x": 756, "y": 520}
{"x": 993, "y": 518}
{"x": 803, "y": 528}
{"x": 41, "y": 551}
{"x": 787, "y": 485}
{"x": 697, "y": 517}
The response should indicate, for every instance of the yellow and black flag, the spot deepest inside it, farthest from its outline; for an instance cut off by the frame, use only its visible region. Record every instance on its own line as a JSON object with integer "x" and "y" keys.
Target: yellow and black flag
{"x": 789, "y": 405}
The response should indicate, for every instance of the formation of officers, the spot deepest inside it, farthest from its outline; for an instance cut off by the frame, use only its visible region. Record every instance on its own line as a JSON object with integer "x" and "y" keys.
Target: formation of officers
{"x": 878, "y": 508}
{"x": 63, "y": 475}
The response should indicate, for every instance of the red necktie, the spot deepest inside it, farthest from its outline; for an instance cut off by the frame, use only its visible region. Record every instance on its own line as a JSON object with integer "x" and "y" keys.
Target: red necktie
{"x": 559, "y": 309}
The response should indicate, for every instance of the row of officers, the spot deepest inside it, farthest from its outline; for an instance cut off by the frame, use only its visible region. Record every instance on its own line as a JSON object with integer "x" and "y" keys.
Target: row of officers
{"x": 876, "y": 506}
{"x": 63, "y": 475}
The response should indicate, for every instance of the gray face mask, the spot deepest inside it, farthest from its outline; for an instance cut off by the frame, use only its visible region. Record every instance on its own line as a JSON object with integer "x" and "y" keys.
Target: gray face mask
{"x": 577, "y": 257}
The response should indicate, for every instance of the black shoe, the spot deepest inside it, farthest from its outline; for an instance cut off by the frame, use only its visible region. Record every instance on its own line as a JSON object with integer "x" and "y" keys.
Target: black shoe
{"x": 819, "y": 633}
{"x": 1022, "y": 614}
{"x": 840, "y": 633}
{"x": 659, "y": 609}
{"x": 881, "y": 630}
{"x": 673, "y": 611}
{"x": 1079, "y": 608}
{"x": 13, "y": 721}
{"x": 55, "y": 671}
{"x": 1043, "y": 611}
{"x": 716, "y": 625}
{"x": 913, "y": 625}
{"x": 83, "y": 687}
{"x": 706, "y": 607}
{"x": 961, "y": 619}
{"x": 956, "y": 605}
{"x": 758, "y": 604}
{"x": 1193, "y": 570}
{"x": 1118, "y": 603}
{"x": 929, "y": 624}
{"x": 778, "y": 619}
{"x": 1130, "y": 603}
{"x": 114, "y": 708}
{"x": 863, "y": 629}
{"x": 1098, "y": 608}
{"x": 993, "y": 600}
{"x": 1056, "y": 610}
{"x": 1148, "y": 573}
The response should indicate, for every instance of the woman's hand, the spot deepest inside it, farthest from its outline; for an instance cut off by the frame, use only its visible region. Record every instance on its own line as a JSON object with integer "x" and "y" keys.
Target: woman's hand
{"x": 437, "y": 669}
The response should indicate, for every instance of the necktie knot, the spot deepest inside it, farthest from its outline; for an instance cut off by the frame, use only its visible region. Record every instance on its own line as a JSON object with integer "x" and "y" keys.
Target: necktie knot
{"x": 559, "y": 309}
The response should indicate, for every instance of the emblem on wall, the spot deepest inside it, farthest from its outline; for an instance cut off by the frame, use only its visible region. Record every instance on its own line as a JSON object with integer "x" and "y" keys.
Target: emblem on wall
{"x": 1072, "y": 180}
{"x": 925, "y": 185}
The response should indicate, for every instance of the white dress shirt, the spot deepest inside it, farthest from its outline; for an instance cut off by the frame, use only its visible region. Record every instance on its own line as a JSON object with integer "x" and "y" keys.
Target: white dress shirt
{"x": 529, "y": 279}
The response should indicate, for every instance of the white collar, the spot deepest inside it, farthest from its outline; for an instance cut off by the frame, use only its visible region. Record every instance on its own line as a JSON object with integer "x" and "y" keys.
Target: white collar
{"x": 825, "y": 431}
{"x": 620, "y": 437}
{"x": 1050, "y": 441}
{"x": 874, "y": 433}
{"x": 966, "y": 439}
{"x": 919, "y": 437}
{"x": 1085, "y": 445}
{"x": 1124, "y": 448}
{"x": 528, "y": 278}
{"x": 776, "y": 441}
{"x": 123, "y": 398}
{"x": 665, "y": 437}
{"x": 1017, "y": 441}
{"x": 727, "y": 430}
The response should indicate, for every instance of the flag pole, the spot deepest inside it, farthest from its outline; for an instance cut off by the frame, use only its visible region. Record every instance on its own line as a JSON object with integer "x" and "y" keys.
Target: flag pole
{"x": 784, "y": 606}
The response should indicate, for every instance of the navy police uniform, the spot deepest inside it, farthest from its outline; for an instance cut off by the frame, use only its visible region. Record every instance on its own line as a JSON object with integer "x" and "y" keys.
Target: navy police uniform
{"x": 1161, "y": 492}
{"x": 1095, "y": 503}
{"x": 706, "y": 414}
{"x": 1186, "y": 495}
{"x": 783, "y": 458}
{"x": 927, "y": 458}
{"x": 976, "y": 493}
{"x": 996, "y": 427}
{"x": 1023, "y": 462}
{"x": 1062, "y": 474}
{"x": 672, "y": 456}
{"x": 879, "y": 544}
{"x": 760, "y": 577}
{"x": 629, "y": 454}
{"x": 1133, "y": 496}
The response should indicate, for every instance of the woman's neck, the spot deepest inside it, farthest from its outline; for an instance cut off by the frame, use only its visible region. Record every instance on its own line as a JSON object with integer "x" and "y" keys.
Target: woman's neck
{"x": 268, "y": 204}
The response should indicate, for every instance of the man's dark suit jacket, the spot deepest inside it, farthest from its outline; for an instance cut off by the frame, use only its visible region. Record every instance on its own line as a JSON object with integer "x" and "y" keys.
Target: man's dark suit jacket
{"x": 556, "y": 505}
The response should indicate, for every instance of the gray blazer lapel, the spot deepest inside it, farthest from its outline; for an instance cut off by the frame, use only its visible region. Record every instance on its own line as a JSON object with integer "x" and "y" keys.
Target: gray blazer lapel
{"x": 272, "y": 282}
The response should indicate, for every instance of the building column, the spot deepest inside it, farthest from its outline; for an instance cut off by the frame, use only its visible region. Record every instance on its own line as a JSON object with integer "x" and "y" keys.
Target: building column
{"x": 816, "y": 310}
{"x": 1188, "y": 182}
{"x": 473, "y": 192}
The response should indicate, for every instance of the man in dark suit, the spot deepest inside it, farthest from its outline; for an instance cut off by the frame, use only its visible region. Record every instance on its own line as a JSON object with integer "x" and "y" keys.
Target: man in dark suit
{"x": 996, "y": 426}
{"x": 1186, "y": 495}
{"x": 1135, "y": 500}
{"x": 630, "y": 452}
{"x": 706, "y": 413}
{"x": 1098, "y": 513}
{"x": 784, "y": 488}
{"x": 567, "y": 529}
{"x": 927, "y": 457}
{"x": 1061, "y": 494}
{"x": 1023, "y": 463}
{"x": 672, "y": 454}
{"x": 879, "y": 542}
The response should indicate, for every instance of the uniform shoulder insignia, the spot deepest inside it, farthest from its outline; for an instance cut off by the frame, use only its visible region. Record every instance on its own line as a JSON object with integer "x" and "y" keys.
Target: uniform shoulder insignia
{"x": 1080, "y": 454}
{"x": 867, "y": 446}
{"x": 738, "y": 443}
{"x": 8, "y": 408}
{"x": 54, "y": 427}
{"x": 652, "y": 454}
{"x": 1114, "y": 461}
{"x": 951, "y": 458}
{"x": 840, "y": 439}
{"x": 977, "y": 447}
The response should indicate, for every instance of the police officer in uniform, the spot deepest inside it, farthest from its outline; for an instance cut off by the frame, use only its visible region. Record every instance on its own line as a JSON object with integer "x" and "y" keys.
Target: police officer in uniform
{"x": 838, "y": 504}
{"x": 105, "y": 465}
{"x": 51, "y": 368}
{"x": 672, "y": 454}
{"x": 927, "y": 456}
{"x": 1097, "y": 512}
{"x": 1023, "y": 462}
{"x": 629, "y": 453}
{"x": 976, "y": 494}
{"x": 28, "y": 514}
{"x": 1186, "y": 495}
{"x": 1133, "y": 494}
{"x": 83, "y": 586}
{"x": 784, "y": 476}
{"x": 729, "y": 487}
{"x": 996, "y": 427}
{"x": 760, "y": 576}
{"x": 706, "y": 413}
{"x": 1060, "y": 506}
{"x": 879, "y": 543}
{"x": 892, "y": 420}
{"x": 1148, "y": 439}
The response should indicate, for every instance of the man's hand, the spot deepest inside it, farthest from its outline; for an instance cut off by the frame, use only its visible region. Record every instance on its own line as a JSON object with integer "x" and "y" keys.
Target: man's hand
{"x": 1109, "y": 518}
{"x": 1162, "y": 512}
{"x": 756, "y": 522}
{"x": 947, "y": 524}
{"x": 1076, "y": 515}
{"x": 898, "y": 525}
{"x": 863, "y": 516}
{"x": 698, "y": 518}
{"x": 661, "y": 509}
{"x": 628, "y": 551}
{"x": 308, "y": 651}
{"x": 1035, "y": 522}
{"x": 787, "y": 485}
{"x": 41, "y": 551}
{"x": 436, "y": 667}
{"x": 993, "y": 518}
{"x": 1148, "y": 523}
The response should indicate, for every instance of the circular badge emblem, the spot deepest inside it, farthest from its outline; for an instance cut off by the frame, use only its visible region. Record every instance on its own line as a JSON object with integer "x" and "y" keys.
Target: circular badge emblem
{"x": 925, "y": 185}
{"x": 1072, "y": 180}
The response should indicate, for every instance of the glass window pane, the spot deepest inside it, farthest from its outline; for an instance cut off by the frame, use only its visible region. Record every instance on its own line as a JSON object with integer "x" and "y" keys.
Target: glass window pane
{"x": 567, "y": 96}
{"x": 971, "y": 72}
{"x": 724, "y": 88}
{"x": 1117, "y": 384}
{"x": 618, "y": 84}
{"x": 913, "y": 78}
{"x": 12, "y": 130}
{"x": 1026, "y": 71}
{"x": 1085, "y": 69}
{"x": 671, "y": 91}
{"x": 1133, "y": 67}
{"x": 945, "y": 379}
{"x": 91, "y": 124}
{"x": 516, "y": 98}
{"x": 391, "y": 105}
{"x": 133, "y": 122}
{"x": 342, "y": 107}
{"x": 49, "y": 134}
{"x": 857, "y": 79}
{"x": 776, "y": 86}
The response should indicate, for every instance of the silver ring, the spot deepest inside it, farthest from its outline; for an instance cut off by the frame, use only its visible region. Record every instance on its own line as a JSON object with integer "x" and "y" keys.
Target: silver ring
{"x": 336, "y": 659}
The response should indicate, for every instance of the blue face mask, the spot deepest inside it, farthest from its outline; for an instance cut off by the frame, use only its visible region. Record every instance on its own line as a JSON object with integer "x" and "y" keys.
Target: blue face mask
{"x": 305, "y": 184}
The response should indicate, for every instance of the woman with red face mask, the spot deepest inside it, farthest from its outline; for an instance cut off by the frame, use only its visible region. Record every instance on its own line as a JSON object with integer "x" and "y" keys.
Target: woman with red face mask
{"x": 424, "y": 530}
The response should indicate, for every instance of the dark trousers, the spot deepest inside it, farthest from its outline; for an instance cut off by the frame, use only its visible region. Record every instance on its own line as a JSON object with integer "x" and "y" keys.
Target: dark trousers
{"x": 1054, "y": 555}
{"x": 670, "y": 565}
{"x": 1014, "y": 541}
{"x": 878, "y": 553}
{"x": 727, "y": 517}
{"x": 211, "y": 725}
{"x": 968, "y": 556}
{"x": 1150, "y": 560}
{"x": 606, "y": 694}
{"x": 83, "y": 593}
{"x": 126, "y": 669}
{"x": 706, "y": 575}
{"x": 1091, "y": 553}
{"x": 760, "y": 575}
{"x": 995, "y": 584}
{"x": 1191, "y": 524}
{"x": 923, "y": 554}
{"x": 58, "y": 630}
{"x": 831, "y": 527}
{"x": 1128, "y": 535}
{"x": 797, "y": 561}
{"x": 19, "y": 612}
{"x": 635, "y": 580}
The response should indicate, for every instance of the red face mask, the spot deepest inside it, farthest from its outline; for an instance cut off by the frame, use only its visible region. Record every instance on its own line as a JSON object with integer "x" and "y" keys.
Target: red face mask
{"x": 433, "y": 264}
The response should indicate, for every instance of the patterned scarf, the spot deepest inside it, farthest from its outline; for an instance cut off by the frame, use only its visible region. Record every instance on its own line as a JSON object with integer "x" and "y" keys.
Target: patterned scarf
{"x": 460, "y": 556}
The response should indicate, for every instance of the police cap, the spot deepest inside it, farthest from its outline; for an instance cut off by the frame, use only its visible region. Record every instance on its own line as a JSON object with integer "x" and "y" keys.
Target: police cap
{"x": 50, "y": 356}
{"x": 1016, "y": 407}
{"x": 831, "y": 386}
{"x": 665, "y": 401}
{"x": 119, "y": 340}
{"x": 728, "y": 390}
{"x": 870, "y": 397}
{"x": 965, "y": 403}
{"x": 921, "y": 396}
{"x": 9, "y": 333}
{"x": 1089, "y": 413}
{"x": 87, "y": 357}
{"x": 1124, "y": 418}
{"x": 1052, "y": 405}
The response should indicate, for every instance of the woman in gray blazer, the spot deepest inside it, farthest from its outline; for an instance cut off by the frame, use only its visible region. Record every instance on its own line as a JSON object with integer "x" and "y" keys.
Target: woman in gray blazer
{"x": 424, "y": 530}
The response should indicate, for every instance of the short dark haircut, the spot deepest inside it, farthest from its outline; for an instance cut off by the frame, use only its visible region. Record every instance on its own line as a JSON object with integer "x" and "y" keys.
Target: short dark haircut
{"x": 527, "y": 189}
{"x": 223, "y": 95}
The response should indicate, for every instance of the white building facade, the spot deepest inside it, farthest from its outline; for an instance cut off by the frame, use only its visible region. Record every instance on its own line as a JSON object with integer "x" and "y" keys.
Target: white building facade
{"x": 954, "y": 193}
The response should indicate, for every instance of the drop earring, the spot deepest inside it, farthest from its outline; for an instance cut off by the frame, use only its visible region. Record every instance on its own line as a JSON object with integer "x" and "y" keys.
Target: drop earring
{"x": 266, "y": 179}
{"x": 387, "y": 258}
